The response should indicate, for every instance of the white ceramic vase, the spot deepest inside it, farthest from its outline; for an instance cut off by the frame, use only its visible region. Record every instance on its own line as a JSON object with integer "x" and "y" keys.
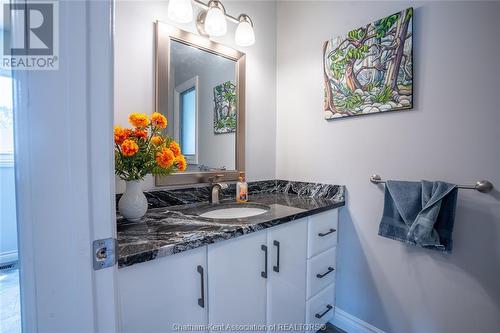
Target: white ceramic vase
{"x": 133, "y": 204}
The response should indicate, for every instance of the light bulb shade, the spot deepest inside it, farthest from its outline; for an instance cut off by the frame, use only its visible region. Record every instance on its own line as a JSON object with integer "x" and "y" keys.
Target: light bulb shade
{"x": 215, "y": 21}
{"x": 245, "y": 35}
{"x": 180, "y": 11}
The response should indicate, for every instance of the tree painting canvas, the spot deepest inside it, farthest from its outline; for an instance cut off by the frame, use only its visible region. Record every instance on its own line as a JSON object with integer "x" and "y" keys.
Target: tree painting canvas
{"x": 370, "y": 69}
{"x": 225, "y": 108}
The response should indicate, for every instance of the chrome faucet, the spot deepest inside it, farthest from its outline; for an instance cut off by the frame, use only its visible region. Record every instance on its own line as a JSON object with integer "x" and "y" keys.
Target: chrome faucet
{"x": 215, "y": 188}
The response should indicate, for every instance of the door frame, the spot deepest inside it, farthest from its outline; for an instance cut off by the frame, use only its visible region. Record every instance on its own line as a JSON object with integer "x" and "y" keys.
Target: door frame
{"x": 65, "y": 177}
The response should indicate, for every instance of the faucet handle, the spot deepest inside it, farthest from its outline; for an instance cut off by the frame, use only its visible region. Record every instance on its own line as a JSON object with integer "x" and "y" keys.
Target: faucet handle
{"x": 215, "y": 178}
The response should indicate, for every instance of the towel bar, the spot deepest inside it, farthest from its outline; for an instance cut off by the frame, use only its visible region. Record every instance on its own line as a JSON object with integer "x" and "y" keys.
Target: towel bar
{"x": 483, "y": 186}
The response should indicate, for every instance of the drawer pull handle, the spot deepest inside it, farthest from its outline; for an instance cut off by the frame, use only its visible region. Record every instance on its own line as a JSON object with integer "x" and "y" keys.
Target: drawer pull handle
{"x": 320, "y": 276}
{"x": 321, "y": 234}
{"x": 264, "y": 273}
{"x": 328, "y": 308}
{"x": 277, "y": 267}
{"x": 201, "y": 300}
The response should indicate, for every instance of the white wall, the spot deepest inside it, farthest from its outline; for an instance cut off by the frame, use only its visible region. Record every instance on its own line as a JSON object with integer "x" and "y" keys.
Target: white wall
{"x": 134, "y": 73}
{"x": 451, "y": 134}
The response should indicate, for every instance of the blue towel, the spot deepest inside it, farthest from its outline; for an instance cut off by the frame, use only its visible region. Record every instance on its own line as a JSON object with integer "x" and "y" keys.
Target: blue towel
{"x": 420, "y": 213}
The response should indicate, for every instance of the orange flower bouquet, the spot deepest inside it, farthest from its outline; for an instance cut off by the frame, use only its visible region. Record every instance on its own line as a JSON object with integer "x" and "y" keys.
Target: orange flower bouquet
{"x": 143, "y": 150}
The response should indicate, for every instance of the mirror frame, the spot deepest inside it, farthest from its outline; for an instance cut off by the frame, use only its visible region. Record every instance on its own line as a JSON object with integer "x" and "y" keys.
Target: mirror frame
{"x": 166, "y": 33}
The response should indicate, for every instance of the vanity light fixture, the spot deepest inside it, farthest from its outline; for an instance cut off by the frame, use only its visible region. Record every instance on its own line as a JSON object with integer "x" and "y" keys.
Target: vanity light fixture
{"x": 180, "y": 11}
{"x": 215, "y": 21}
{"x": 212, "y": 20}
{"x": 244, "y": 35}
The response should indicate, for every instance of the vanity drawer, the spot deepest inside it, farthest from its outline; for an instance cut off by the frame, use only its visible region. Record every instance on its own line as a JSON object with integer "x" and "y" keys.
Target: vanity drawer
{"x": 322, "y": 232}
{"x": 320, "y": 271}
{"x": 320, "y": 308}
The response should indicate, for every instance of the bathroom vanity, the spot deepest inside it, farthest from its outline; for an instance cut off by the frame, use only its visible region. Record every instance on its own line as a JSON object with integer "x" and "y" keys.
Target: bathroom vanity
{"x": 178, "y": 270}
{"x": 187, "y": 264}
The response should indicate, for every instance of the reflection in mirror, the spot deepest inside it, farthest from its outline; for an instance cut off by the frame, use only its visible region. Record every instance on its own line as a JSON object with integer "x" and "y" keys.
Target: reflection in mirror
{"x": 202, "y": 110}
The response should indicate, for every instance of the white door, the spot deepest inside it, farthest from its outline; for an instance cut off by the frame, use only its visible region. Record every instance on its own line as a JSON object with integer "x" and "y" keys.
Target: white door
{"x": 64, "y": 175}
{"x": 286, "y": 289}
{"x": 237, "y": 281}
{"x": 166, "y": 294}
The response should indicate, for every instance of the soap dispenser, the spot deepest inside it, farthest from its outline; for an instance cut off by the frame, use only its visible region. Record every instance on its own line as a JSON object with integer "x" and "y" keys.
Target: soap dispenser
{"x": 241, "y": 189}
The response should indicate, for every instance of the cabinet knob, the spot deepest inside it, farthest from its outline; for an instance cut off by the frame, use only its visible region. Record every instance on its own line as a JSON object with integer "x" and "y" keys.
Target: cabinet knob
{"x": 264, "y": 273}
{"x": 319, "y": 315}
{"x": 321, "y": 234}
{"x": 201, "y": 300}
{"x": 320, "y": 276}
{"x": 277, "y": 267}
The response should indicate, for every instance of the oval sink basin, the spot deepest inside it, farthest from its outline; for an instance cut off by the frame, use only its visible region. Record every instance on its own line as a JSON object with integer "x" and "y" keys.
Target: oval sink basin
{"x": 233, "y": 212}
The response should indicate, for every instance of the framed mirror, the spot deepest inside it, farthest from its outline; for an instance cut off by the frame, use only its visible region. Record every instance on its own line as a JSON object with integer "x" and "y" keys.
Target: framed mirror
{"x": 200, "y": 88}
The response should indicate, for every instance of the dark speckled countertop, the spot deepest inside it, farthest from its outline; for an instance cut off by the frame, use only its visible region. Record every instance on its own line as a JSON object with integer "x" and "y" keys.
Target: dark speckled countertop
{"x": 172, "y": 224}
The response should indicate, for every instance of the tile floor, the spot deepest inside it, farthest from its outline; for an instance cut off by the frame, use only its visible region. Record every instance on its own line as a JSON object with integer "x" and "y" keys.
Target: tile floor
{"x": 10, "y": 309}
{"x": 331, "y": 329}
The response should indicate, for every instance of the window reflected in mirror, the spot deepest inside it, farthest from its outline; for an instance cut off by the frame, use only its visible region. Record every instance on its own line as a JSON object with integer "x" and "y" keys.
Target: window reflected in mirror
{"x": 189, "y": 111}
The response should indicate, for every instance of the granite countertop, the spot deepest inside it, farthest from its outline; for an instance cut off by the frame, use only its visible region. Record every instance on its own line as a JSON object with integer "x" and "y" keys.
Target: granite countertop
{"x": 172, "y": 224}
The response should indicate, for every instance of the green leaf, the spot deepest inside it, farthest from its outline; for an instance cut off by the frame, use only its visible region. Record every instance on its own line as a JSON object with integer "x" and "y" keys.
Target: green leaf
{"x": 357, "y": 34}
{"x": 383, "y": 96}
{"x": 385, "y": 24}
{"x": 409, "y": 14}
{"x": 352, "y": 101}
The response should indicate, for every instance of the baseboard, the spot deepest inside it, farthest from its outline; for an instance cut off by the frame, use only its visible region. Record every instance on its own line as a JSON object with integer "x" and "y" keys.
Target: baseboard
{"x": 352, "y": 324}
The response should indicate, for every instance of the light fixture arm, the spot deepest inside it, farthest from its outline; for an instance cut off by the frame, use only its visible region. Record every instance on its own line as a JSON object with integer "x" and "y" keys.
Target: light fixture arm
{"x": 205, "y": 6}
{"x": 245, "y": 18}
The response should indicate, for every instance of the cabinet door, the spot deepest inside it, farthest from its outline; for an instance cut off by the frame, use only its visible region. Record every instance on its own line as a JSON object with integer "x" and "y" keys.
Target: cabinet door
{"x": 320, "y": 309}
{"x": 322, "y": 232}
{"x": 163, "y": 294}
{"x": 286, "y": 289}
{"x": 237, "y": 281}
{"x": 320, "y": 271}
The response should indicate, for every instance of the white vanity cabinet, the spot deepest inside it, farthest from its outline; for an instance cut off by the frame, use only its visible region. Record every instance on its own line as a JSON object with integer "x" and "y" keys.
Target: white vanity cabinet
{"x": 284, "y": 275}
{"x": 259, "y": 278}
{"x": 236, "y": 280}
{"x": 286, "y": 283}
{"x": 321, "y": 267}
{"x": 157, "y": 295}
